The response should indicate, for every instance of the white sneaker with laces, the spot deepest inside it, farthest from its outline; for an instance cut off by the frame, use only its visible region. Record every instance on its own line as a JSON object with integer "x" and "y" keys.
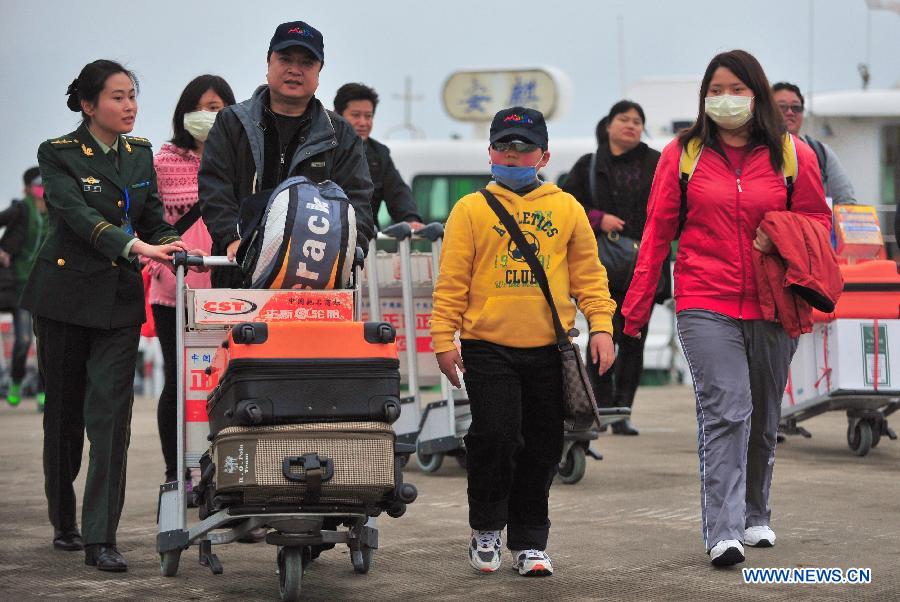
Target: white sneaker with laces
{"x": 726, "y": 553}
{"x": 532, "y": 563}
{"x": 759, "y": 537}
{"x": 484, "y": 551}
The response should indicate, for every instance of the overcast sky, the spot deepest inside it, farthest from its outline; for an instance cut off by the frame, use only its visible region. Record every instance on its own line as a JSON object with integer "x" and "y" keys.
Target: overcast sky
{"x": 379, "y": 42}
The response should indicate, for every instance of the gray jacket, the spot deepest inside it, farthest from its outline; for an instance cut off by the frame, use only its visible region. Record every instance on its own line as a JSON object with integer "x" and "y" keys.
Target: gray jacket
{"x": 234, "y": 160}
{"x": 836, "y": 181}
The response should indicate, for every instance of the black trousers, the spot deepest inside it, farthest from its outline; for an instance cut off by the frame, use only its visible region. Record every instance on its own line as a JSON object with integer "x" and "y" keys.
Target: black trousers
{"x": 166, "y": 409}
{"x": 515, "y": 442}
{"x": 89, "y": 378}
{"x": 618, "y": 385}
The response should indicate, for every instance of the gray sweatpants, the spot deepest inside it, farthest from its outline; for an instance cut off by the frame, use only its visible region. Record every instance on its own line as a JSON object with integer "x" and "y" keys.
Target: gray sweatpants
{"x": 740, "y": 369}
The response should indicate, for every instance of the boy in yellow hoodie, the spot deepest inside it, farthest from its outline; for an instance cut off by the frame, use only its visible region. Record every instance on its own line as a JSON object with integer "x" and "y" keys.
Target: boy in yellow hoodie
{"x": 511, "y": 364}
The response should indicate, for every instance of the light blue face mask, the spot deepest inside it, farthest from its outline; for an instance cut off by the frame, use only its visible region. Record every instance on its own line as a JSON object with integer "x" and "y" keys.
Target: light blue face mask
{"x": 515, "y": 177}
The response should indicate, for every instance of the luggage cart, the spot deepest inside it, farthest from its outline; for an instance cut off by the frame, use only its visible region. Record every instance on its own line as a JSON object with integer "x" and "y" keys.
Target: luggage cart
{"x": 577, "y": 445}
{"x": 821, "y": 379}
{"x": 293, "y": 528}
{"x": 438, "y": 429}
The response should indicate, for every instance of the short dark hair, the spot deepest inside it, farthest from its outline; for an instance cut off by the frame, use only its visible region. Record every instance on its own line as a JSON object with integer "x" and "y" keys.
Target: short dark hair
{"x": 601, "y": 133}
{"x": 350, "y": 92}
{"x": 91, "y": 81}
{"x": 767, "y": 125}
{"x": 623, "y": 106}
{"x": 30, "y": 175}
{"x": 187, "y": 103}
{"x": 790, "y": 88}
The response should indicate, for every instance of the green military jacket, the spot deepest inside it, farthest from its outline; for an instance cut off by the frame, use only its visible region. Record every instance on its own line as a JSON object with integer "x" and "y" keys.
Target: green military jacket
{"x": 80, "y": 276}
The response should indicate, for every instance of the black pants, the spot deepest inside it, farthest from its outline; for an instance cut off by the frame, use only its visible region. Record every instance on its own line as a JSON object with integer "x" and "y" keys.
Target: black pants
{"x": 515, "y": 441}
{"x": 166, "y": 409}
{"x": 89, "y": 377}
{"x": 618, "y": 385}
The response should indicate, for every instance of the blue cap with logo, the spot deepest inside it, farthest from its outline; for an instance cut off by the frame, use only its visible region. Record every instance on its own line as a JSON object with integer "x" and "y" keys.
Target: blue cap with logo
{"x": 298, "y": 33}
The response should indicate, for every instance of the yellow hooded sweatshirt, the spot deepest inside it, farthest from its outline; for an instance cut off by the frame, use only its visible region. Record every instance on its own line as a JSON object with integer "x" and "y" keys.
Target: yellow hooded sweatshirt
{"x": 485, "y": 289}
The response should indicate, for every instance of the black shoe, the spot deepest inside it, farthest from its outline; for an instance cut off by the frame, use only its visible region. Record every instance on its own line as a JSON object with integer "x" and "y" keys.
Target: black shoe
{"x": 105, "y": 557}
{"x": 68, "y": 540}
{"x": 624, "y": 427}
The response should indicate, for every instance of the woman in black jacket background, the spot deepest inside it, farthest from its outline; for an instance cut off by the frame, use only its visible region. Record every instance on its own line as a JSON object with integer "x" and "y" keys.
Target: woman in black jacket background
{"x": 615, "y": 199}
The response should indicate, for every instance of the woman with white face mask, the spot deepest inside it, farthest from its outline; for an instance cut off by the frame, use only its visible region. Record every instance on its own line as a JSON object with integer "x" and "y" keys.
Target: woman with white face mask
{"x": 738, "y": 361}
{"x": 177, "y": 164}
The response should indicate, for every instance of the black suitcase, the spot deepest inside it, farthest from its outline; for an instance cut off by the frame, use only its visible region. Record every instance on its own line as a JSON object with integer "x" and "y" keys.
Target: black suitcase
{"x": 276, "y": 374}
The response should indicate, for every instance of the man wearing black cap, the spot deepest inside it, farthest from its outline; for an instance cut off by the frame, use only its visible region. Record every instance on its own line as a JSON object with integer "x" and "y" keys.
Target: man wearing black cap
{"x": 26, "y": 228}
{"x": 283, "y": 130}
{"x": 487, "y": 292}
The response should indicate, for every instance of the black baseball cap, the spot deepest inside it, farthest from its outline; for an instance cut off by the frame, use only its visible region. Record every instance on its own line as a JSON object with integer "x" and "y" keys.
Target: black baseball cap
{"x": 298, "y": 33}
{"x": 519, "y": 123}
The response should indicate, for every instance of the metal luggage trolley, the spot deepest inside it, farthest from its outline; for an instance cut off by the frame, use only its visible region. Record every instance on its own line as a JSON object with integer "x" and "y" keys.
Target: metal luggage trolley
{"x": 819, "y": 380}
{"x": 202, "y": 318}
{"x": 438, "y": 429}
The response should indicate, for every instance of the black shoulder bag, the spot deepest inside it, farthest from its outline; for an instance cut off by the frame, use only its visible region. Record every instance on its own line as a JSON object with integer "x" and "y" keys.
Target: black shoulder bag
{"x": 579, "y": 404}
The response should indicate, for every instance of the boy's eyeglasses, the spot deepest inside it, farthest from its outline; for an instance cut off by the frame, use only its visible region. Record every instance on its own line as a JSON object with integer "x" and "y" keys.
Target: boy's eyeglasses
{"x": 796, "y": 109}
{"x": 519, "y": 147}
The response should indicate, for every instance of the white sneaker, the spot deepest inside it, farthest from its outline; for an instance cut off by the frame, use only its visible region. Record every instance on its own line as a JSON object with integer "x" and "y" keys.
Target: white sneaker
{"x": 759, "y": 537}
{"x": 726, "y": 553}
{"x": 532, "y": 563}
{"x": 484, "y": 551}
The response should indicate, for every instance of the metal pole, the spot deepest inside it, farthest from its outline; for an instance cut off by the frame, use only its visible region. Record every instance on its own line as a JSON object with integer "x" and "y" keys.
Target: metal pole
{"x": 179, "y": 370}
{"x": 409, "y": 319}
{"x": 372, "y": 282}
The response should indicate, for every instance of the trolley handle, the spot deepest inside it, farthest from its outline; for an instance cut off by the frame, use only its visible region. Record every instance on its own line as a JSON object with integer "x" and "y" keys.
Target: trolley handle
{"x": 402, "y": 230}
{"x": 183, "y": 259}
{"x": 398, "y": 231}
{"x": 433, "y": 232}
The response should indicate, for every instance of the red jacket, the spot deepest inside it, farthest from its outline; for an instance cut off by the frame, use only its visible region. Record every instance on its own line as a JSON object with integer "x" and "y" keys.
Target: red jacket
{"x": 801, "y": 274}
{"x": 714, "y": 266}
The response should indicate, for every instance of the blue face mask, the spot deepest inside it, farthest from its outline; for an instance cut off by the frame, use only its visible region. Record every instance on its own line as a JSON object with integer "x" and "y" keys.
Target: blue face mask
{"x": 515, "y": 177}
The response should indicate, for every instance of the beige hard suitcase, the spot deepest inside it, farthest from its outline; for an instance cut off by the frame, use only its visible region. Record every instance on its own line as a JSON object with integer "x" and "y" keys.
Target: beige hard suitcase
{"x": 345, "y": 463}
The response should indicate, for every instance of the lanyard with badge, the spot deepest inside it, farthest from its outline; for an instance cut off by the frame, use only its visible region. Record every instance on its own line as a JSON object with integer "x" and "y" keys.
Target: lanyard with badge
{"x": 126, "y": 221}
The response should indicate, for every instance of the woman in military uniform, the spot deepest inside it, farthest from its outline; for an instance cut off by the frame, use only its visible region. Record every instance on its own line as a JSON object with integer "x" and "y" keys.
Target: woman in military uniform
{"x": 86, "y": 294}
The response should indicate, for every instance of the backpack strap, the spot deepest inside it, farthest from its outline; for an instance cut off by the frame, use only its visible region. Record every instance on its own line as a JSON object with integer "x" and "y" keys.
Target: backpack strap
{"x": 690, "y": 156}
{"x": 789, "y": 165}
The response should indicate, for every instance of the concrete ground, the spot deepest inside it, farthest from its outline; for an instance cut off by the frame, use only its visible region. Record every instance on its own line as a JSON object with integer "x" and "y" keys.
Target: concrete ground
{"x": 629, "y": 531}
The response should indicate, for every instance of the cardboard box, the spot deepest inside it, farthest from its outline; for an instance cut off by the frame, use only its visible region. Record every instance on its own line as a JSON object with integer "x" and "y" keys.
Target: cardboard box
{"x": 801, "y": 386}
{"x": 850, "y": 359}
{"x": 857, "y": 231}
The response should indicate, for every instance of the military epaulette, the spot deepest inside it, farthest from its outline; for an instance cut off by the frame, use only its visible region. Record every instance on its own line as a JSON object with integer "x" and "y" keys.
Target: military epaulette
{"x": 137, "y": 140}
{"x": 64, "y": 142}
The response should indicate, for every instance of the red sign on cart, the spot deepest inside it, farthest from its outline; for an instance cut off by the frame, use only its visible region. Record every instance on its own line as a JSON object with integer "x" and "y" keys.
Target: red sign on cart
{"x": 228, "y": 306}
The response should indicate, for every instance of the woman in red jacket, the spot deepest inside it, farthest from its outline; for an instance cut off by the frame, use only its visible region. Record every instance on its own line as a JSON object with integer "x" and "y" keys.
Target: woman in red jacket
{"x": 739, "y": 362}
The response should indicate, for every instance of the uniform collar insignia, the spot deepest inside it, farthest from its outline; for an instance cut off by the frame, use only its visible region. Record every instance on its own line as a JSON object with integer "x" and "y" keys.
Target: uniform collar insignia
{"x": 88, "y": 152}
{"x": 127, "y": 146}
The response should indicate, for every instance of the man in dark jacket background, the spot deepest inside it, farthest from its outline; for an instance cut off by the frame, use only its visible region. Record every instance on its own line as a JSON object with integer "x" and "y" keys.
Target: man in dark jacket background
{"x": 283, "y": 130}
{"x": 357, "y": 103}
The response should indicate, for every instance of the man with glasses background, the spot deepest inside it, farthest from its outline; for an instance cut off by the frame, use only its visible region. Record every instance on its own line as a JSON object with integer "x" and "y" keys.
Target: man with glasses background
{"x": 837, "y": 183}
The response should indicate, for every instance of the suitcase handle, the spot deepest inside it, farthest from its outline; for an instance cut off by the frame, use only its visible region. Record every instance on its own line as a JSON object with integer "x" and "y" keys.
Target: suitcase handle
{"x": 311, "y": 463}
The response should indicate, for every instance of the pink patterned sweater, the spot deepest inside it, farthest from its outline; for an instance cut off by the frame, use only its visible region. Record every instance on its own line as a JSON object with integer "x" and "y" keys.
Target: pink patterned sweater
{"x": 176, "y": 176}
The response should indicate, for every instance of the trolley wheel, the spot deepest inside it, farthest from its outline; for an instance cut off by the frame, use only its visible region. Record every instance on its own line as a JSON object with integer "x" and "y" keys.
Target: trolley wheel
{"x": 571, "y": 470}
{"x": 859, "y": 436}
{"x": 877, "y": 428}
{"x": 429, "y": 462}
{"x": 168, "y": 562}
{"x": 462, "y": 459}
{"x": 290, "y": 573}
{"x": 362, "y": 559}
